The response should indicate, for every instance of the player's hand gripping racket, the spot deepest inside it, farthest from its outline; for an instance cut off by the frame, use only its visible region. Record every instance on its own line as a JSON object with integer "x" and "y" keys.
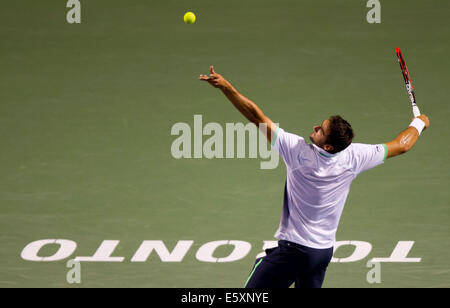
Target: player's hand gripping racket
{"x": 408, "y": 83}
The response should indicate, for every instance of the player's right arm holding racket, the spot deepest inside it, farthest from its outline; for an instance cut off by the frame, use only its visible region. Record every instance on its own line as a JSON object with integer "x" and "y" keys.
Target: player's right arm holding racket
{"x": 407, "y": 138}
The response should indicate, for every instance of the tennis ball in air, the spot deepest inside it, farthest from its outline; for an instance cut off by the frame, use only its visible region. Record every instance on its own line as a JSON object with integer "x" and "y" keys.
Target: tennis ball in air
{"x": 189, "y": 18}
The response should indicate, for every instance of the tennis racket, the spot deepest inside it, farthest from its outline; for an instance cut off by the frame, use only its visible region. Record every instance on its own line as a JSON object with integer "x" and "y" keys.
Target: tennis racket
{"x": 408, "y": 83}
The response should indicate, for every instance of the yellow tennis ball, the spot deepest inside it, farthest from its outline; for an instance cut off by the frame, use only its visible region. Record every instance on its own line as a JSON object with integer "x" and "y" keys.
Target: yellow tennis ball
{"x": 189, "y": 18}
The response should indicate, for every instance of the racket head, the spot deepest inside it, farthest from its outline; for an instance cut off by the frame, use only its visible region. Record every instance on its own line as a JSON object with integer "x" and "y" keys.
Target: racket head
{"x": 408, "y": 83}
{"x": 404, "y": 68}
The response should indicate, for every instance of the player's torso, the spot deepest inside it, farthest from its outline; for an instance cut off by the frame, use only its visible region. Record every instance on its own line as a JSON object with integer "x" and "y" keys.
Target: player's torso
{"x": 319, "y": 185}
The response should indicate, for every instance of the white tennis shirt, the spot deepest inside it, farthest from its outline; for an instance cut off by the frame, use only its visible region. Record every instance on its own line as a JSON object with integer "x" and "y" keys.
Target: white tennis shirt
{"x": 317, "y": 186}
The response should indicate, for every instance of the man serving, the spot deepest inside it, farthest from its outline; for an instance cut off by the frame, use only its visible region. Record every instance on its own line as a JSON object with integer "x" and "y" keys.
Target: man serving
{"x": 318, "y": 181}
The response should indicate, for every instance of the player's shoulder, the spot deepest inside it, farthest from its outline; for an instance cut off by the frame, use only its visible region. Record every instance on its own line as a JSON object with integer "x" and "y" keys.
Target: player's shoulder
{"x": 359, "y": 153}
{"x": 282, "y": 132}
{"x": 289, "y": 139}
{"x": 357, "y": 148}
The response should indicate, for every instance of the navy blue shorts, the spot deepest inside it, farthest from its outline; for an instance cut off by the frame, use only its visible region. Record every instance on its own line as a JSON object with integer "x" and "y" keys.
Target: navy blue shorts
{"x": 290, "y": 263}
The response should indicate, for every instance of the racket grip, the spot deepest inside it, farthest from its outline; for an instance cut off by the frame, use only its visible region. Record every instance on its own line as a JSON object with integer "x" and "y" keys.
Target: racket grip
{"x": 416, "y": 111}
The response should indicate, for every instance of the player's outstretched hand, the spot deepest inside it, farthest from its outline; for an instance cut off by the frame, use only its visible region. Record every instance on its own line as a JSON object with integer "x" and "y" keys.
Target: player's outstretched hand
{"x": 214, "y": 79}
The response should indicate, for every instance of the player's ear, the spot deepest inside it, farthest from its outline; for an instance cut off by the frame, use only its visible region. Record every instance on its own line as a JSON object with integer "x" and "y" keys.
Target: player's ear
{"x": 328, "y": 148}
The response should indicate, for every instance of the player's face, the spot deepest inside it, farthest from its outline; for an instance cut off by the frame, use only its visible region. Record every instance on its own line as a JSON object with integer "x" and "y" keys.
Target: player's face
{"x": 319, "y": 134}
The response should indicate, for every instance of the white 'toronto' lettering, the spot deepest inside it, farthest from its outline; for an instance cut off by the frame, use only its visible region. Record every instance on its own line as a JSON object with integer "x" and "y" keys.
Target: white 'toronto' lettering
{"x": 103, "y": 253}
{"x": 362, "y": 250}
{"x": 176, "y": 255}
{"x": 399, "y": 254}
{"x": 205, "y": 253}
{"x": 66, "y": 248}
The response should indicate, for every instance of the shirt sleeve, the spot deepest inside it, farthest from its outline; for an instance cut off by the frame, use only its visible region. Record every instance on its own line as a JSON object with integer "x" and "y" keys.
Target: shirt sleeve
{"x": 368, "y": 156}
{"x": 289, "y": 146}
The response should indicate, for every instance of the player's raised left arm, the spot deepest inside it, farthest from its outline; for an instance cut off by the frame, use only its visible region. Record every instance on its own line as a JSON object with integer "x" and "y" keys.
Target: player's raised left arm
{"x": 406, "y": 139}
{"x": 248, "y": 108}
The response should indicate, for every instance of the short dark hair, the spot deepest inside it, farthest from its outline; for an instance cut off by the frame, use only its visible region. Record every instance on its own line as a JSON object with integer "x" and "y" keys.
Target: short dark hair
{"x": 340, "y": 134}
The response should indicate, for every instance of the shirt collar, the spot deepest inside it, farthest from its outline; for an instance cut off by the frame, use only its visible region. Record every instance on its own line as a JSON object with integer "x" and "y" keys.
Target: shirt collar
{"x": 324, "y": 153}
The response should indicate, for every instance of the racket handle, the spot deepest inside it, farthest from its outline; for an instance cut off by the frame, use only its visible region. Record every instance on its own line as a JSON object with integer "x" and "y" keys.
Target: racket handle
{"x": 416, "y": 111}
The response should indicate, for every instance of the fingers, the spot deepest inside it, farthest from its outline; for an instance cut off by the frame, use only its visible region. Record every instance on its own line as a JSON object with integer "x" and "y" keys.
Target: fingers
{"x": 213, "y": 73}
{"x": 210, "y": 77}
{"x": 213, "y": 78}
{"x": 204, "y": 77}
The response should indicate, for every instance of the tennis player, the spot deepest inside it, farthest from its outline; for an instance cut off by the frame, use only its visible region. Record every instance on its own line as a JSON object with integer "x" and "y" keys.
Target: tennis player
{"x": 318, "y": 181}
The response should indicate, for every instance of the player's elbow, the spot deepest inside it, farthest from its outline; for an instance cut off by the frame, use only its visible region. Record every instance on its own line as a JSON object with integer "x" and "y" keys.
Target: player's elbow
{"x": 401, "y": 150}
{"x": 257, "y": 117}
{"x": 397, "y": 148}
{"x": 405, "y": 147}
